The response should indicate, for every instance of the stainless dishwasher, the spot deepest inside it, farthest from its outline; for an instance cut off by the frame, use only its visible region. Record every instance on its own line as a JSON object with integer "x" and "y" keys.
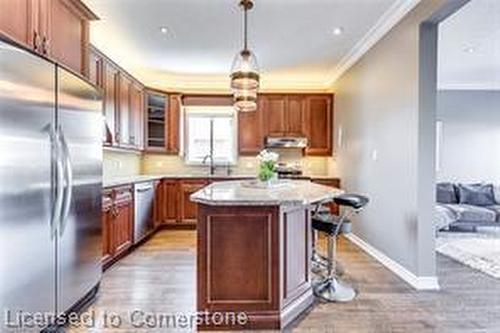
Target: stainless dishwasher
{"x": 144, "y": 194}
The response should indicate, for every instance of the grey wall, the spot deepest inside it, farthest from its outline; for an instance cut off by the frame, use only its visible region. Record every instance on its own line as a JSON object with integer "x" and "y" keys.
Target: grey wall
{"x": 387, "y": 144}
{"x": 470, "y": 144}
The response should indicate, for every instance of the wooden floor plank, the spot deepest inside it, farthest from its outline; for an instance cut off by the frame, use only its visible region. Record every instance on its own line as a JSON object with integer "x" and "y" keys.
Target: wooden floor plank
{"x": 160, "y": 277}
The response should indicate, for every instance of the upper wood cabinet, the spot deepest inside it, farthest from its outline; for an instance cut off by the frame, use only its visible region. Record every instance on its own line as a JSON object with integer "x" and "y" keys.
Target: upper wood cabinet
{"x": 174, "y": 114}
{"x": 318, "y": 124}
{"x": 123, "y": 134}
{"x": 136, "y": 115}
{"x": 162, "y": 122}
{"x": 16, "y": 21}
{"x": 110, "y": 89}
{"x": 57, "y": 29}
{"x": 284, "y": 115}
{"x": 275, "y": 115}
{"x": 250, "y": 129}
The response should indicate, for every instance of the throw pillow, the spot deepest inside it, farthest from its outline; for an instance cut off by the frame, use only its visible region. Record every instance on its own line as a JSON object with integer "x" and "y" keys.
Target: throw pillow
{"x": 476, "y": 194}
{"x": 446, "y": 193}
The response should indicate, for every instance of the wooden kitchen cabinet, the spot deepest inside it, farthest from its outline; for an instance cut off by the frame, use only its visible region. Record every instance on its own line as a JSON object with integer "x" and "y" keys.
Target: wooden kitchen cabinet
{"x": 16, "y": 21}
{"x": 110, "y": 89}
{"x": 174, "y": 112}
{"x": 285, "y": 115}
{"x": 96, "y": 68}
{"x": 57, "y": 29}
{"x": 250, "y": 129}
{"x": 318, "y": 124}
{"x": 107, "y": 220}
{"x": 118, "y": 223}
{"x": 136, "y": 115}
{"x": 123, "y": 135}
{"x": 295, "y": 115}
{"x": 276, "y": 115}
{"x": 188, "y": 210}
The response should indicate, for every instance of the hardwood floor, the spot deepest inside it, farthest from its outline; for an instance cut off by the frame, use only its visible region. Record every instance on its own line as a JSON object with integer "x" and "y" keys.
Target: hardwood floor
{"x": 160, "y": 277}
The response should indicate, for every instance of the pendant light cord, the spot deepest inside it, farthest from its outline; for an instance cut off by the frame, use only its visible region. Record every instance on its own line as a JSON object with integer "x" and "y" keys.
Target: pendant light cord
{"x": 245, "y": 29}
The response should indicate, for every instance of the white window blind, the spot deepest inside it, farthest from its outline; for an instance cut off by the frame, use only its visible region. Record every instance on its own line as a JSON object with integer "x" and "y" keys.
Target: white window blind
{"x": 207, "y": 126}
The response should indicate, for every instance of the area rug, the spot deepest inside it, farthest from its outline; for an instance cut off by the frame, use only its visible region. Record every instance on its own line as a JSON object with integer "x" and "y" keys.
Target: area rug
{"x": 479, "y": 250}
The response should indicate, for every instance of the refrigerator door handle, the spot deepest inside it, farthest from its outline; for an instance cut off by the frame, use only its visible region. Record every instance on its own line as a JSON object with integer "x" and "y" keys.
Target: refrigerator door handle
{"x": 59, "y": 179}
{"x": 68, "y": 189}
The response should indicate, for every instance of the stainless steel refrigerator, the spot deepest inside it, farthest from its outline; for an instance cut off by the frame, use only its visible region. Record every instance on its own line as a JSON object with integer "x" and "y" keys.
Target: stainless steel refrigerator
{"x": 50, "y": 187}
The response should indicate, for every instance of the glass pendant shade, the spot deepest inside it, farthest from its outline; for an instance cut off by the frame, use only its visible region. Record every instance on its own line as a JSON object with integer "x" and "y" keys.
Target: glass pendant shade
{"x": 245, "y": 100}
{"x": 245, "y": 71}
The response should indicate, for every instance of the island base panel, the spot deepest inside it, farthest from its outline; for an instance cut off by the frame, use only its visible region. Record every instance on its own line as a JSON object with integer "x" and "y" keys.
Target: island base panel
{"x": 244, "y": 264}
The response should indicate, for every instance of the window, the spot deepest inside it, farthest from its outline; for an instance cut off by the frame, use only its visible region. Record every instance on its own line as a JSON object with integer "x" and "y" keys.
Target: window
{"x": 210, "y": 128}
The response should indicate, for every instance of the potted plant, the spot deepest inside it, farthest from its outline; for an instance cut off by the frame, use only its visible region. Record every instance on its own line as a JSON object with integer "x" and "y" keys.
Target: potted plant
{"x": 267, "y": 166}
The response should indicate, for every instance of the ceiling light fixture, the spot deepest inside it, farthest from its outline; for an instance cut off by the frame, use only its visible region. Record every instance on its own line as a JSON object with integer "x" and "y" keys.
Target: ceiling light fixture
{"x": 245, "y": 78}
{"x": 338, "y": 31}
{"x": 164, "y": 30}
{"x": 470, "y": 50}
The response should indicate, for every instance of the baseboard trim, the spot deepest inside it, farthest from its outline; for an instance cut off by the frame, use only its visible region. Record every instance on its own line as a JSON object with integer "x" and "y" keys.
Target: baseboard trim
{"x": 417, "y": 282}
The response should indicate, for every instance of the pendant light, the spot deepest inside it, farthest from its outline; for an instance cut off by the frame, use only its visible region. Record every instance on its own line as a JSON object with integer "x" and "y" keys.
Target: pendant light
{"x": 245, "y": 70}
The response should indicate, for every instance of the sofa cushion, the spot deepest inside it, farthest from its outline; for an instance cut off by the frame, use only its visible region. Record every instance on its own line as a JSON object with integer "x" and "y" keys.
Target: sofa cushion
{"x": 496, "y": 209}
{"x": 446, "y": 193}
{"x": 444, "y": 216}
{"x": 476, "y": 194}
{"x": 496, "y": 192}
{"x": 470, "y": 213}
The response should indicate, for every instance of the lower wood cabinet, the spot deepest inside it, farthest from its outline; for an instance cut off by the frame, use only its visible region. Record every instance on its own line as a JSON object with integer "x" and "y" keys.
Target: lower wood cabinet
{"x": 118, "y": 222}
{"x": 188, "y": 210}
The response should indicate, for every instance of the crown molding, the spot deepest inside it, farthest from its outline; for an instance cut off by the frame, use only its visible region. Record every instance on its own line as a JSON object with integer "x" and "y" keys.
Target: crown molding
{"x": 383, "y": 25}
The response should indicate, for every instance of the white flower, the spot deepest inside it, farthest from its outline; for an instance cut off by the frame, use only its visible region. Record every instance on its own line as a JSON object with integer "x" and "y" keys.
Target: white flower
{"x": 267, "y": 156}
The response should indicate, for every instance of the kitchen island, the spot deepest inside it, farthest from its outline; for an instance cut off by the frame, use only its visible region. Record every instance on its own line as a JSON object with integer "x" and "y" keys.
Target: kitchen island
{"x": 254, "y": 247}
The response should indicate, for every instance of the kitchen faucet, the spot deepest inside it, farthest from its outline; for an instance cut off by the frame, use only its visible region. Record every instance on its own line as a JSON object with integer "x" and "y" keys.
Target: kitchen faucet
{"x": 212, "y": 165}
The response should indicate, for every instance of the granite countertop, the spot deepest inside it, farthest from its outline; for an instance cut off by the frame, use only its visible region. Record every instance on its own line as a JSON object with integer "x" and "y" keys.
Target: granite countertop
{"x": 241, "y": 193}
{"x": 126, "y": 180}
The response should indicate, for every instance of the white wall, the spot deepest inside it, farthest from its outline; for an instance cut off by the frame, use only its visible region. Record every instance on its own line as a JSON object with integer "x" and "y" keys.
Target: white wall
{"x": 470, "y": 144}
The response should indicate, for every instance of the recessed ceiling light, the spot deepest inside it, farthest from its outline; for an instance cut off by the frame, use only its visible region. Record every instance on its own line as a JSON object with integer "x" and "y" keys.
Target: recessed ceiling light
{"x": 338, "y": 31}
{"x": 164, "y": 30}
{"x": 470, "y": 50}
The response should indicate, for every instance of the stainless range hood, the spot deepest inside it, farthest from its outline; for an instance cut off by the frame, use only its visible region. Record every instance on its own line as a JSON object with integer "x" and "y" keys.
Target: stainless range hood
{"x": 286, "y": 142}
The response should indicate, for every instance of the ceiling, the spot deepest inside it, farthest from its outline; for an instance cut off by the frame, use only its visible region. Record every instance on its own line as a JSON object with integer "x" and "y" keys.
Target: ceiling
{"x": 293, "y": 39}
{"x": 469, "y": 47}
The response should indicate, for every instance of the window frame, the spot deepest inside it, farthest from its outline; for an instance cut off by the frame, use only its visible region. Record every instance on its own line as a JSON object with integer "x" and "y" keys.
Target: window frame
{"x": 210, "y": 112}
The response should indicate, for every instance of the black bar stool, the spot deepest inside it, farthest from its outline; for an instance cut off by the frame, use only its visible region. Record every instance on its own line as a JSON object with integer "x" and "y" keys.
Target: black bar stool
{"x": 331, "y": 288}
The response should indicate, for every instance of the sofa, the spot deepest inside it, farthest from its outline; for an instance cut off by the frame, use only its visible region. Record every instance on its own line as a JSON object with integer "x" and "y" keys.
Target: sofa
{"x": 466, "y": 206}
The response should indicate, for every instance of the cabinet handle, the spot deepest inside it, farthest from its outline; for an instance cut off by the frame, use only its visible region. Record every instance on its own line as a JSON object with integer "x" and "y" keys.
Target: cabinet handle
{"x": 45, "y": 45}
{"x": 36, "y": 40}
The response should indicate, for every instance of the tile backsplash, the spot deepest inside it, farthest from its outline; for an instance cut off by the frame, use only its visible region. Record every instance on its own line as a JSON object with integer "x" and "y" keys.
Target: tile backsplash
{"x": 118, "y": 164}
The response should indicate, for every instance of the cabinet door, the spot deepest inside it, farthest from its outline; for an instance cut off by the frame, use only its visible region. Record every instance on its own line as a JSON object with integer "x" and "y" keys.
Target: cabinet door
{"x": 122, "y": 221}
{"x": 136, "y": 115}
{"x": 171, "y": 203}
{"x": 16, "y": 21}
{"x": 107, "y": 220}
{"x": 188, "y": 209}
{"x": 66, "y": 34}
{"x": 123, "y": 135}
{"x": 295, "y": 115}
{"x": 174, "y": 107}
{"x": 110, "y": 82}
{"x": 250, "y": 129}
{"x": 96, "y": 69}
{"x": 319, "y": 124}
{"x": 275, "y": 115}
